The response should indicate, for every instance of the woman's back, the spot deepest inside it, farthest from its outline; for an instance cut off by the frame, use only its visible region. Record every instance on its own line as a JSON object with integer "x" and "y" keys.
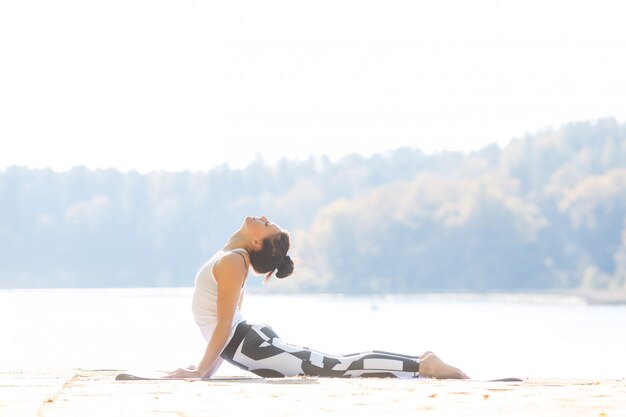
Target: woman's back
{"x": 204, "y": 302}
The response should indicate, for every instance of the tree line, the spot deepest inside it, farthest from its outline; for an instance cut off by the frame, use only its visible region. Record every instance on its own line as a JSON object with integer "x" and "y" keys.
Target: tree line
{"x": 546, "y": 211}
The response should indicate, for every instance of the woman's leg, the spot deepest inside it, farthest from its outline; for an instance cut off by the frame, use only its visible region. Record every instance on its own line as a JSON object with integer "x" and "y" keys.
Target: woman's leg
{"x": 258, "y": 349}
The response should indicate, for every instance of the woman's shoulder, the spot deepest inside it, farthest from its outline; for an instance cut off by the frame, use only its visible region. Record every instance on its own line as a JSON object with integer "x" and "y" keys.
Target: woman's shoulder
{"x": 229, "y": 264}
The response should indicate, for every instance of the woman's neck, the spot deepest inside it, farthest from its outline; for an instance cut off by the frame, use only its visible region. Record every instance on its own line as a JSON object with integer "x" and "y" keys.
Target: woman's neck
{"x": 237, "y": 241}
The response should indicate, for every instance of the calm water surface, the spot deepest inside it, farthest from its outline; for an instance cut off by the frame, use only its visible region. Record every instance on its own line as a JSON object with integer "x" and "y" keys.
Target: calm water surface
{"x": 486, "y": 336}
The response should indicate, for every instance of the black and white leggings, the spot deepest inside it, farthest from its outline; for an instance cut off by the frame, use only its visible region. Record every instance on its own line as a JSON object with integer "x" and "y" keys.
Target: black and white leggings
{"x": 258, "y": 349}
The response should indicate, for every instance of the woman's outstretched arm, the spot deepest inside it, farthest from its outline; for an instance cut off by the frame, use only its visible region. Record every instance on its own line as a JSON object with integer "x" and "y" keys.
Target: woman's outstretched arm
{"x": 229, "y": 272}
{"x": 240, "y": 301}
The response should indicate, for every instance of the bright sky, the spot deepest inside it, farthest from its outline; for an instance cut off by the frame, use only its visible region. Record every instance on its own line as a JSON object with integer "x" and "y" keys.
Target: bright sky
{"x": 184, "y": 84}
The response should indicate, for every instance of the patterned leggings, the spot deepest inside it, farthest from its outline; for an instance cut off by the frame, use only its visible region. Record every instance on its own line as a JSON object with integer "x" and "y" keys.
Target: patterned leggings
{"x": 258, "y": 349}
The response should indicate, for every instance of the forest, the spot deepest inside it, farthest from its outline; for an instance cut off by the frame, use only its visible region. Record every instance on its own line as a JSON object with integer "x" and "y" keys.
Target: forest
{"x": 546, "y": 211}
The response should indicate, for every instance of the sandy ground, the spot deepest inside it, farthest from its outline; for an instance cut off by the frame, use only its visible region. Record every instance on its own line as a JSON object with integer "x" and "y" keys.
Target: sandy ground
{"x": 96, "y": 393}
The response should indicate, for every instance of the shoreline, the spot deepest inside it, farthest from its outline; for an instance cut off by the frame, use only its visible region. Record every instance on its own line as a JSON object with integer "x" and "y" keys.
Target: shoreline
{"x": 586, "y": 296}
{"x": 84, "y": 392}
{"x": 596, "y": 297}
{"x": 568, "y": 296}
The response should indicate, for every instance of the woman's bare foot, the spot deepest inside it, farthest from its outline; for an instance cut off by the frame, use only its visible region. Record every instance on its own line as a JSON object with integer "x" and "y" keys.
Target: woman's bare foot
{"x": 423, "y": 355}
{"x": 432, "y": 366}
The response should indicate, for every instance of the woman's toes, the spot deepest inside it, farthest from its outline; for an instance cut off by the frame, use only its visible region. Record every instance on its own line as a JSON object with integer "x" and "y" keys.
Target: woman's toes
{"x": 432, "y": 366}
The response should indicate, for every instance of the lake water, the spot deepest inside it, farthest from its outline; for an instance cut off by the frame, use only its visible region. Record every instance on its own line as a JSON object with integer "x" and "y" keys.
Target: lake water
{"x": 487, "y": 336}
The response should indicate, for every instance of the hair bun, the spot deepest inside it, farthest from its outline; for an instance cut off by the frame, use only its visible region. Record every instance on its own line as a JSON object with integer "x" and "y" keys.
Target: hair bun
{"x": 284, "y": 267}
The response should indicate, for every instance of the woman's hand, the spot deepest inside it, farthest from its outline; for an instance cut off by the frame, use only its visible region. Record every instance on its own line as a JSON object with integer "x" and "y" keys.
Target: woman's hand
{"x": 184, "y": 373}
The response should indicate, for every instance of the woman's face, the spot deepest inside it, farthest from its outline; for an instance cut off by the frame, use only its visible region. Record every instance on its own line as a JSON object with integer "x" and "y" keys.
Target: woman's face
{"x": 259, "y": 227}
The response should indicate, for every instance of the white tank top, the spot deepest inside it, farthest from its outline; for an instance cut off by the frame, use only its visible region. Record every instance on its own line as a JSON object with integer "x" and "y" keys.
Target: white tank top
{"x": 204, "y": 302}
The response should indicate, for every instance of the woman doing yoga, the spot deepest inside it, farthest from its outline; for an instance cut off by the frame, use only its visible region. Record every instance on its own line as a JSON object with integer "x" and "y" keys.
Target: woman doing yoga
{"x": 216, "y": 304}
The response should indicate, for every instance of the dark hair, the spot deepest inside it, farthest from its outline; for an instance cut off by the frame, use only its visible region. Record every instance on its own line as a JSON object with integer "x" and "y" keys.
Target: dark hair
{"x": 273, "y": 256}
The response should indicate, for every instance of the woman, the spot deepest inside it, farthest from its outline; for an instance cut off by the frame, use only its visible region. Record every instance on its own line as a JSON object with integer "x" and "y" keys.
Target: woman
{"x": 217, "y": 298}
